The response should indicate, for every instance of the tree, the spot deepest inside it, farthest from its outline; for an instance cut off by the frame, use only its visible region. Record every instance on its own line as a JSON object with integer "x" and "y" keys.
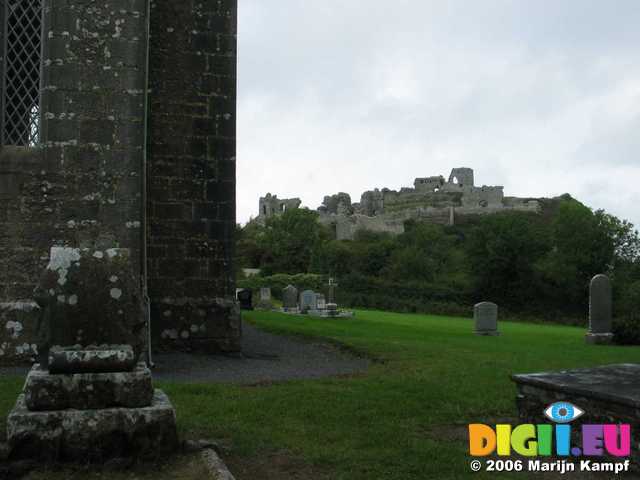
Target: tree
{"x": 503, "y": 250}
{"x": 289, "y": 241}
{"x": 424, "y": 252}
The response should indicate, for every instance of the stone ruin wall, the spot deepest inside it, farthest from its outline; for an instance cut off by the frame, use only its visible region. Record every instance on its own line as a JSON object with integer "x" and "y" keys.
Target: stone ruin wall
{"x": 83, "y": 186}
{"x": 271, "y": 205}
{"x": 432, "y": 199}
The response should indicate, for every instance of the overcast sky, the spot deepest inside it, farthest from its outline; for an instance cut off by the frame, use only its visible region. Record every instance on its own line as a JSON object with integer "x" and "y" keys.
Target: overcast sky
{"x": 541, "y": 96}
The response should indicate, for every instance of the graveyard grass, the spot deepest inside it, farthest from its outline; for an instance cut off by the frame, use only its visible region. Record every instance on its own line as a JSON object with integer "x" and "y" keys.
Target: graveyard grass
{"x": 404, "y": 419}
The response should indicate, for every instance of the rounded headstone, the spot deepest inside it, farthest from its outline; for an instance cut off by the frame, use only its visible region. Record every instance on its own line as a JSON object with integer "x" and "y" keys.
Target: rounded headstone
{"x": 485, "y": 315}
{"x": 600, "y": 305}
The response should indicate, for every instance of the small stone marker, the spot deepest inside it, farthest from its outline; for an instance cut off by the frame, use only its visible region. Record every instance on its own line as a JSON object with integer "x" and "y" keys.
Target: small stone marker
{"x": 485, "y": 315}
{"x": 321, "y": 302}
{"x": 265, "y": 299}
{"x": 290, "y": 298}
{"x": 307, "y": 301}
{"x": 600, "y": 311}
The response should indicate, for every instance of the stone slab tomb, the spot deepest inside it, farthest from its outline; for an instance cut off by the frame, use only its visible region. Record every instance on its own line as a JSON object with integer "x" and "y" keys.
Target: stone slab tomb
{"x": 607, "y": 394}
{"x": 600, "y": 311}
{"x": 485, "y": 315}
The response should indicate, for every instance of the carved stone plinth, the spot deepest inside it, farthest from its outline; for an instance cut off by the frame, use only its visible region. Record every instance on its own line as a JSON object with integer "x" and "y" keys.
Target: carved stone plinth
{"x": 45, "y": 391}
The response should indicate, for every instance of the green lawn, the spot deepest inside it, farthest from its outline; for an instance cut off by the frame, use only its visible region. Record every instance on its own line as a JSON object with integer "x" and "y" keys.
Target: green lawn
{"x": 406, "y": 418}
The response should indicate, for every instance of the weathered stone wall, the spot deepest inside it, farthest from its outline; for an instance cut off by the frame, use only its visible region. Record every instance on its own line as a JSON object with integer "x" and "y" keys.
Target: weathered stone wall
{"x": 82, "y": 189}
{"x": 93, "y": 100}
{"x": 191, "y": 176}
{"x": 24, "y": 243}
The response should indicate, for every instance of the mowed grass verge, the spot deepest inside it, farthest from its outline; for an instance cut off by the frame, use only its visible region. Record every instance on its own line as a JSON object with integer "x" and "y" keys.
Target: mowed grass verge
{"x": 405, "y": 419}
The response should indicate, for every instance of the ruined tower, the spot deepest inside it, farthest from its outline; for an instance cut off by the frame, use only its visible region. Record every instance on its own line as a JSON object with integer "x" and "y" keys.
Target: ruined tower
{"x": 118, "y": 133}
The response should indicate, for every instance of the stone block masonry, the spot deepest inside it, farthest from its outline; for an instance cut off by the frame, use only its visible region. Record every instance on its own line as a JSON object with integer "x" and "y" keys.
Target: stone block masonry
{"x": 192, "y": 164}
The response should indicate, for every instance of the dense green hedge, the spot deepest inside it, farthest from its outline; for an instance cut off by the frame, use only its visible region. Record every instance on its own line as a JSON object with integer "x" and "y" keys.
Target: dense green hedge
{"x": 278, "y": 282}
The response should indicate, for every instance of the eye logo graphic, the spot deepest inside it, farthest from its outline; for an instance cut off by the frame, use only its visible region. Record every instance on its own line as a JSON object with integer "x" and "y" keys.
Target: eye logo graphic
{"x": 563, "y": 412}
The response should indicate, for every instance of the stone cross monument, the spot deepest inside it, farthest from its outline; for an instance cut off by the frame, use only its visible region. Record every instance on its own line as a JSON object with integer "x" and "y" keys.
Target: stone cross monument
{"x": 332, "y": 306}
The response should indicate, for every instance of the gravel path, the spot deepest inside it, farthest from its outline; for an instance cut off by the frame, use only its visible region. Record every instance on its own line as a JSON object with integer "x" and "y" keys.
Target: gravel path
{"x": 266, "y": 358}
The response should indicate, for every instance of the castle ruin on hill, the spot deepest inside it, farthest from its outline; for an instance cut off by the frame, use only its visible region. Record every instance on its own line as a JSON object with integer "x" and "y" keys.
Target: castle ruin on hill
{"x": 432, "y": 200}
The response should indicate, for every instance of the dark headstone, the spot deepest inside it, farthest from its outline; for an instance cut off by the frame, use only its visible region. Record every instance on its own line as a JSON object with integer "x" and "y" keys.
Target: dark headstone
{"x": 245, "y": 298}
{"x": 290, "y": 298}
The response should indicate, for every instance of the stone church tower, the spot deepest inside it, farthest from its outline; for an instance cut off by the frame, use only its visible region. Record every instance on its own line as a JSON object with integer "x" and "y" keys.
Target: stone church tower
{"x": 118, "y": 133}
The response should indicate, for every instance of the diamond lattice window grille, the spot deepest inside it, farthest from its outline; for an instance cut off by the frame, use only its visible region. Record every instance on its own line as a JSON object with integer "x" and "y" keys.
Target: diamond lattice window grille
{"x": 23, "y": 37}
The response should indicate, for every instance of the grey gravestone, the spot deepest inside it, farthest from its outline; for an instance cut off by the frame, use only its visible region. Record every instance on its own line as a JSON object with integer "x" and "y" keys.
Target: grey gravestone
{"x": 600, "y": 311}
{"x": 307, "y": 300}
{"x": 485, "y": 315}
{"x": 265, "y": 299}
{"x": 265, "y": 294}
{"x": 321, "y": 302}
{"x": 290, "y": 298}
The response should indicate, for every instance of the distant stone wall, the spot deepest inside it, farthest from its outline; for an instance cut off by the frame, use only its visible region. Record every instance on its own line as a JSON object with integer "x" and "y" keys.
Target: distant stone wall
{"x": 271, "y": 205}
{"x": 192, "y": 165}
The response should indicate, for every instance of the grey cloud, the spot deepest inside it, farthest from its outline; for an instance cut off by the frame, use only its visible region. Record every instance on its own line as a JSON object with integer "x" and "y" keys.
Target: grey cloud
{"x": 347, "y": 96}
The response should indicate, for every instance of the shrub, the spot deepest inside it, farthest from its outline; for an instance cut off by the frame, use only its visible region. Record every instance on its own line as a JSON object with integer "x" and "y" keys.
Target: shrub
{"x": 626, "y": 330}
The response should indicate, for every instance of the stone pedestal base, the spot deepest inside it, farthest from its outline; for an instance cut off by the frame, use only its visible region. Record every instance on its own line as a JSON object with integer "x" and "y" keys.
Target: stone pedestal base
{"x": 93, "y": 435}
{"x": 487, "y": 333}
{"x": 599, "y": 338}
